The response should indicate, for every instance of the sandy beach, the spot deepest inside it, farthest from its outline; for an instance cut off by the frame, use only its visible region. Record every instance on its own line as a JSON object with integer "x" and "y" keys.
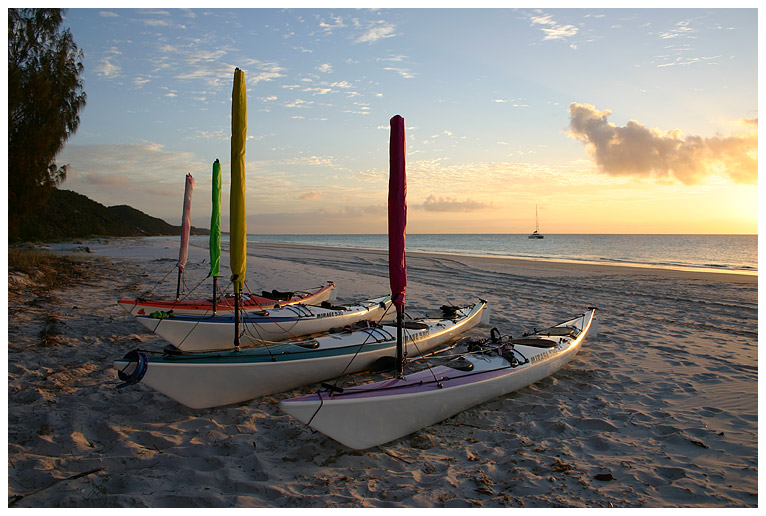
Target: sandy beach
{"x": 659, "y": 410}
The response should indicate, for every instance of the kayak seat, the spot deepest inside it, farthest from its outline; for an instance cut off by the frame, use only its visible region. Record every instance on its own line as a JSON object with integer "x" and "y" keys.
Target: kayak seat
{"x": 277, "y": 295}
{"x": 460, "y": 364}
{"x": 535, "y": 343}
{"x": 449, "y": 312}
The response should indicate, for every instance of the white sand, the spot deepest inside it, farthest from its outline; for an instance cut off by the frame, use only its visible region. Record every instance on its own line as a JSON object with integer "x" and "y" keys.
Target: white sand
{"x": 664, "y": 400}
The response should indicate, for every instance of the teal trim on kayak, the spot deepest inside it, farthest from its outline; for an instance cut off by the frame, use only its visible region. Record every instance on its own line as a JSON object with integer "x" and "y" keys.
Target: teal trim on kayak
{"x": 274, "y": 353}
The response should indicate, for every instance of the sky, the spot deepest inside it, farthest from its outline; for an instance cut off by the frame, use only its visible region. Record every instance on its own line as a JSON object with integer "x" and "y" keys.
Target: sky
{"x": 606, "y": 120}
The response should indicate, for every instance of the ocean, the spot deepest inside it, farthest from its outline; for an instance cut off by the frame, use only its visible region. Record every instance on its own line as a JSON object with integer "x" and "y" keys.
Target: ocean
{"x": 723, "y": 253}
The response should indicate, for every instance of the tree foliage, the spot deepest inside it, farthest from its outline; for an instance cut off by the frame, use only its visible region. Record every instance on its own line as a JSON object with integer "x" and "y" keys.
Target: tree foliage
{"x": 45, "y": 97}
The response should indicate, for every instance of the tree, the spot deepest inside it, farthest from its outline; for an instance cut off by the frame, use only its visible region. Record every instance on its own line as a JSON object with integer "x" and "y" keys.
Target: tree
{"x": 45, "y": 97}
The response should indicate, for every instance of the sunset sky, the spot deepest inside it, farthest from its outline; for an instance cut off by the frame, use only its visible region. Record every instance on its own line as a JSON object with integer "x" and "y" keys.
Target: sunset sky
{"x": 609, "y": 120}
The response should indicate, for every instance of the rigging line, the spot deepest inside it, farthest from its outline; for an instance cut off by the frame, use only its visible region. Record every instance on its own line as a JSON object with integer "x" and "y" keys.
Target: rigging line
{"x": 190, "y": 292}
{"x": 425, "y": 357}
{"x": 160, "y": 282}
{"x": 379, "y": 325}
{"x": 199, "y": 320}
{"x": 300, "y": 310}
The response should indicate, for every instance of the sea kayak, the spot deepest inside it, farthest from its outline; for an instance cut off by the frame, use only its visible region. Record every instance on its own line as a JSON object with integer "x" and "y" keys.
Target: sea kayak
{"x": 202, "y": 380}
{"x": 368, "y": 415}
{"x": 225, "y": 304}
{"x": 194, "y": 334}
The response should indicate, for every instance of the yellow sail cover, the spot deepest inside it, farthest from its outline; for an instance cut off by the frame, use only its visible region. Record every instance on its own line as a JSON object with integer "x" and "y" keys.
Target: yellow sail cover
{"x": 238, "y": 224}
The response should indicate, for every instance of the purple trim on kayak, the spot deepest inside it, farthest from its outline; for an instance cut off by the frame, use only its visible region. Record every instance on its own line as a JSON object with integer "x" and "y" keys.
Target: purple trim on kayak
{"x": 423, "y": 381}
{"x": 436, "y": 378}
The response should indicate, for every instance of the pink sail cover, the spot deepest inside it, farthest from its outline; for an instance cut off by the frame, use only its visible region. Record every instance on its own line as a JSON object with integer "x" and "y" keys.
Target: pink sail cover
{"x": 183, "y": 254}
{"x": 397, "y": 214}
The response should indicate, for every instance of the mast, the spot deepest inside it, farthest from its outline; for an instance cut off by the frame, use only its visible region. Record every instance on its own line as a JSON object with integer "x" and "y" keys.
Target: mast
{"x": 537, "y": 221}
{"x": 183, "y": 252}
{"x": 397, "y": 231}
{"x": 215, "y": 232}
{"x": 238, "y": 214}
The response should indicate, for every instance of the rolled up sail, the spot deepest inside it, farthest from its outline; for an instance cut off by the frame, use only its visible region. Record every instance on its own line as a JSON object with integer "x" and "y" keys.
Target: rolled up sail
{"x": 397, "y": 214}
{"x": 238, "y": 223}
{"x": 215, "y": 222}
{"x": 183, "y": 253}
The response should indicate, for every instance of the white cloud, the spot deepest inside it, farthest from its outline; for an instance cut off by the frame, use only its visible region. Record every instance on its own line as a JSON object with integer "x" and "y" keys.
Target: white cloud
{"x": 156, "y": 23}
{"x": 320, "y": 161}
{"x": 377, "y": 33}
{"x": 108, "y": 69}
{"x": 404, "y": 72}
{"x": 335, "y": 23}
{"x": 681, "y": 29}
{"x": 553, "y": 29}
{"x": 325, "y": 68}
{"x": 299, "y": 103}
{"x": 395, "y": 59}
{"x": 108, "y": 14}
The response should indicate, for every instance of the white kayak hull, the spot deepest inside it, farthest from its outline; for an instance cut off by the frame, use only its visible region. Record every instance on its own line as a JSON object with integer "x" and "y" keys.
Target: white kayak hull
{"x": 194, "y": 334}
{"x": 203, "y": 380}
{"x": 373, "y": 414}
{"x": 225, "y": 305}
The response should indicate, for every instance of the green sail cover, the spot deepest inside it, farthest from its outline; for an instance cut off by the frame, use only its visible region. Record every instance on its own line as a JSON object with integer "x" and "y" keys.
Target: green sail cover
{"x": 215, "y": 222}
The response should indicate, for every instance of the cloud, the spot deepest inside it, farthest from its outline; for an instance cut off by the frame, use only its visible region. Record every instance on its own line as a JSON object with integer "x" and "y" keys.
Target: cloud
{"x": 336, "y": 23}
{"x": 310, "y": 196}
{"x": 552, "y": 29}
{"x": 386, "y": 30}
{"x": 120, "y": 163}
{"x": 325, "y": 68}
{"x": 634, "y": 150}
{"x": 156, "y": 23}
{"x": 299, "y": 103}
{"x": 318, "y": 91}
{"x": 433, "y": 203}
{"x": 107, "y": 180}
{"x": 404, "y": 72}
{"x": 681, "y": 29}
{"x": 108, "y": 14}
{"x": 320, "y": 161}
{"x": 107, "y": 68}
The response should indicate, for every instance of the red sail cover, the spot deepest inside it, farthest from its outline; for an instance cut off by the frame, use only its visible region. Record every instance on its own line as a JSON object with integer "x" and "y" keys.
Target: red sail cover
{"x": 397, "y": 214}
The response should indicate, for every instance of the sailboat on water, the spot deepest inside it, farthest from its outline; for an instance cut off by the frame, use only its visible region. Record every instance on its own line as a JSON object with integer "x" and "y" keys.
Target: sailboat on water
{"x": 536, "y": 235}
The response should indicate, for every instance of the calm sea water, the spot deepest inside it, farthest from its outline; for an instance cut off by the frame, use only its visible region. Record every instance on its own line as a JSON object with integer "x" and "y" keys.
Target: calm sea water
{"x": 726, "y": 253}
